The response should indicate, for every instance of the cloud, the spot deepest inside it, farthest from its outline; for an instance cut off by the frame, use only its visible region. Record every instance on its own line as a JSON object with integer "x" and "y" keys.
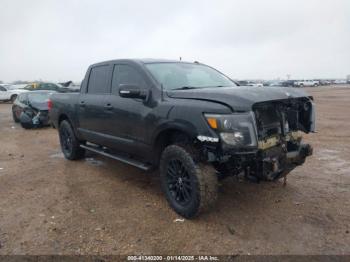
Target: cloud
{"x": 56, "y": 40}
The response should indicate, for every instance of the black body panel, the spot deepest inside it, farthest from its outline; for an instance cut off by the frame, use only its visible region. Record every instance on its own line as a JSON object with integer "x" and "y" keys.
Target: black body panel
{"x": 102, "y": 115}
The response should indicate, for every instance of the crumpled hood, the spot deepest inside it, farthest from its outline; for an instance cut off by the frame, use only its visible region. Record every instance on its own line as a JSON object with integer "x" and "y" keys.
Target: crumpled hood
{"x": 239, "y": 98}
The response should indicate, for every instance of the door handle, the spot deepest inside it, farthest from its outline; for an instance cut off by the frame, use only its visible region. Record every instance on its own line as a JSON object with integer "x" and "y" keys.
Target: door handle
{"x": 108, "y": 107}
{"x": 82, "y": 104}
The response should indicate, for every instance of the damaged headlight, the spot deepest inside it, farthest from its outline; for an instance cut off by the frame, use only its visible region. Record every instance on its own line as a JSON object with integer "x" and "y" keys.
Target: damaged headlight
{"x": 234, "y": 129}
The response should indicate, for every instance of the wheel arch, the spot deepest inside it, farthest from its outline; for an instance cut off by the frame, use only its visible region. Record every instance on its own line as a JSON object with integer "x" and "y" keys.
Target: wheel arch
{"x": 13, "y": 97}
{"x": 63, "y": 117}
{"x": 170, "y": 134}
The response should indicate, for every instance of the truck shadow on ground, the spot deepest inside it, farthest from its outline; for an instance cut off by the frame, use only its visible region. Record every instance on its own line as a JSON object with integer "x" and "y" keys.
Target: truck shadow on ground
{"x": 106, "y": 182}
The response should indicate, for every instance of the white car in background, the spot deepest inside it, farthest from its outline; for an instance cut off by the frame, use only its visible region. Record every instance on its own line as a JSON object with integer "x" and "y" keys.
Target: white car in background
{"x": 303, "y": 83}
{"x": 9, "y": 94}
{"x": 16, "y": 87}
{"x": 340, "y": 81}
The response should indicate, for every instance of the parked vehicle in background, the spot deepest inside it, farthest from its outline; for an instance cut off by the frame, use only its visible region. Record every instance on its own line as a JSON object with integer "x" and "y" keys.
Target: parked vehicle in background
{"x": 243, "y": 83}
{"x": 256, "y": 84}
{"x": 5, "y": 85}
{"x": 188, "y": 119}
{"x": 31, "y": 109}
{"x": 273, "y": 83}
{"x": 17, "y": 86}
{"x": 340, "y": 81}
{"x": 43, "y": 86}
{"x": 302, "y": 83}
{"x": 49, "y": 86}
{"x": 288, "y": 83}
{"x": 325, "y": 82}
{"x": 6, "y": 94}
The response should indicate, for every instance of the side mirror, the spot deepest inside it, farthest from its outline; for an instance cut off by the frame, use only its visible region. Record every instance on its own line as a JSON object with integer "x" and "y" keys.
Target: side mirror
{"x": 132, "y": 91}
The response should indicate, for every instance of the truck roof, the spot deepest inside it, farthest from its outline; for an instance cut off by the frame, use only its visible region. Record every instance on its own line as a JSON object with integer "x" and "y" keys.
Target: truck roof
{"x": 143, "y": 61}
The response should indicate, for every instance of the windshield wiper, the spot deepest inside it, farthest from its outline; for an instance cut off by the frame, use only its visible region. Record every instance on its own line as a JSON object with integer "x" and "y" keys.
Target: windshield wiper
{"x": 185, "y": 88}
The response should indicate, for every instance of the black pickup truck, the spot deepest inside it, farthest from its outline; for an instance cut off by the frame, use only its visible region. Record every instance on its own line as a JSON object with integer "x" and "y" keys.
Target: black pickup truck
{"x": 188, "y": 119}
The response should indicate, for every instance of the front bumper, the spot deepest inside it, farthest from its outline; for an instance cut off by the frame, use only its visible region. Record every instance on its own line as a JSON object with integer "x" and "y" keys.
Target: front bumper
{"x": 274, "y": 165}
{"x": 269, "y": 163}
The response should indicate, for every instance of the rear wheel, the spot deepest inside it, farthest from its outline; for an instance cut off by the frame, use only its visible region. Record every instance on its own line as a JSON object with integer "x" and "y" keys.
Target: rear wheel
{"x": 69, "y": 143}
{"x": 189, "y": 187}
{"x": 13, "y": 98}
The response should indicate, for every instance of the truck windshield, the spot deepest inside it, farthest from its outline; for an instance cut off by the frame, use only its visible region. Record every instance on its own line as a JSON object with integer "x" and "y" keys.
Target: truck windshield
{"x": 187, "y": 76}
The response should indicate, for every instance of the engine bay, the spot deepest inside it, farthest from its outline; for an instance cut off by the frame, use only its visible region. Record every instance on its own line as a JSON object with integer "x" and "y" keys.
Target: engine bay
{"x": 279, "y": 118}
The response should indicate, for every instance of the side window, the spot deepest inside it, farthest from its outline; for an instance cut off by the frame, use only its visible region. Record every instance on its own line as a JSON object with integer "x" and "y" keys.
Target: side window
{"x": 2, "y": 88}
{"x": 42, "y": 87}
{"x": 125, "y": 74}
{"x": 98, "y": 80}
{"x": 50, "y": 87}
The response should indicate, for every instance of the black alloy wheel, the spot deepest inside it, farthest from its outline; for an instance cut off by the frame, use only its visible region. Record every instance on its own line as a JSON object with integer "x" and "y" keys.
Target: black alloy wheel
{"x": 70, "y": 145}
{"x": 190, "y": 187}
{"x": 179, "y": 182}
{"x": 66, "y": 140}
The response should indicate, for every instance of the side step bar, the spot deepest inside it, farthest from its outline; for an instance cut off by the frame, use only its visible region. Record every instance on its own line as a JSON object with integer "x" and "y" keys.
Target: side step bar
{"x": 123, "y": 159}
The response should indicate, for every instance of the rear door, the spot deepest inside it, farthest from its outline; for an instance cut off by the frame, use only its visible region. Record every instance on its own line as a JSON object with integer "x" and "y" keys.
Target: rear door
{"x": 93, "y": 114}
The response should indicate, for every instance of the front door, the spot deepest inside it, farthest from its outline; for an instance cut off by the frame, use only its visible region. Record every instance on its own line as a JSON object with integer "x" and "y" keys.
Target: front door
{"x": 129, "y": 116}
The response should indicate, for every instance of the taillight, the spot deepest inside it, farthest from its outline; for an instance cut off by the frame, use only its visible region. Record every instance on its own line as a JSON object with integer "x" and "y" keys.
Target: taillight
{"x": 49, "y": 104}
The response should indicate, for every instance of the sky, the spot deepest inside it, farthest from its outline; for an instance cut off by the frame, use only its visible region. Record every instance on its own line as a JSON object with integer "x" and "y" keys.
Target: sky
{"x": 56, "y": 40}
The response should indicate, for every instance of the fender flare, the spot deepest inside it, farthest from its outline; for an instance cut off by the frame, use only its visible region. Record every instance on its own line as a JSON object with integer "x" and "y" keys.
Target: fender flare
{"x": 182, "y": 126}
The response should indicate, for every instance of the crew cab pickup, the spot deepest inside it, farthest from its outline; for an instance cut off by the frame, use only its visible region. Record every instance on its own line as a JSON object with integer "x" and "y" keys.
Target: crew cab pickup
{"x": 188, "y": 119}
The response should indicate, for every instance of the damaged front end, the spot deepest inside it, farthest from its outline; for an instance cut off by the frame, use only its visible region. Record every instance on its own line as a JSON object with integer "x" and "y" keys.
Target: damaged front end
{"x": 279, "y": 148}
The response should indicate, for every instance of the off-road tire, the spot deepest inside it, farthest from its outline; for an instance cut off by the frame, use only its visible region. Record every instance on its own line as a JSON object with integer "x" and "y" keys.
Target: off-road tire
{"x": 203, "y": 180}
{"x": 14, "y": 116}
{"x": 70, "y": 145}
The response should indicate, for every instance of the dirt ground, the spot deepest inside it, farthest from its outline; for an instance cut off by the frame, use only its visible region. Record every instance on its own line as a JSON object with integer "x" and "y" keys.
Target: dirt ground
{"x": 49, "y": 205}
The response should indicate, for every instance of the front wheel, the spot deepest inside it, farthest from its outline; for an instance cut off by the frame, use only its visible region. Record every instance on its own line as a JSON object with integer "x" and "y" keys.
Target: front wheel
{"x": 189, "y": 187}
{"x": 14, "y": 116}
{"x": 69, "y": 143}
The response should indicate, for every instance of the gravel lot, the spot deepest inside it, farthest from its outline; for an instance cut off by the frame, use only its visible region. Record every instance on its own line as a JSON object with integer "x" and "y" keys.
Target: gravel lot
{"x": 49, "y": 205}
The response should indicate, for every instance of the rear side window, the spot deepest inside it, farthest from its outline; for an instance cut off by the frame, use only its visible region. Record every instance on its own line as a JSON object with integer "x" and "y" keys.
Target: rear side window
{"x": 2, "y": 88}
{"x": 127, "y": 75}
{"x": 98, "y": 80}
